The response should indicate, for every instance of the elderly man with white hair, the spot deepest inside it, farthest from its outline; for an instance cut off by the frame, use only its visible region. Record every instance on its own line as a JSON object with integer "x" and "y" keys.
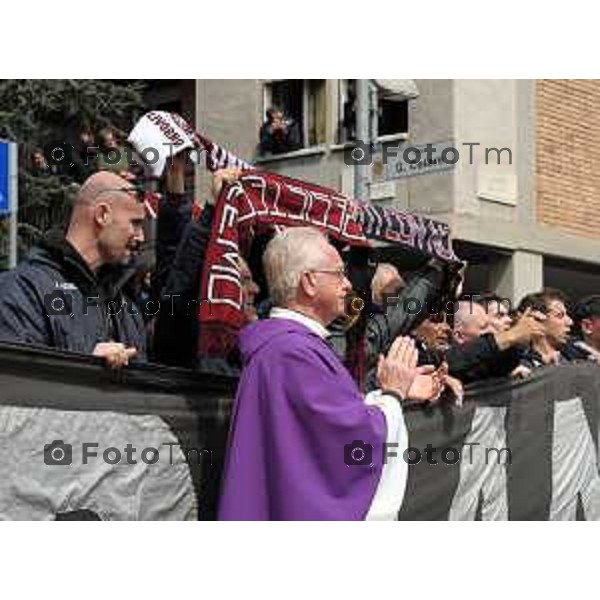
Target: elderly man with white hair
{"x": 304, "y": 444}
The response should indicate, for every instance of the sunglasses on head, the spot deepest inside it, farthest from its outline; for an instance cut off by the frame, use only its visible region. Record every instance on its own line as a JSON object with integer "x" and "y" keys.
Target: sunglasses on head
{"x": 131, "y": 190}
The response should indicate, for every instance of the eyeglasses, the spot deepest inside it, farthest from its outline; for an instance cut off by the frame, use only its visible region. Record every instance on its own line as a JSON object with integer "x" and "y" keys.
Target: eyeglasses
{"x": 341, "y": 274}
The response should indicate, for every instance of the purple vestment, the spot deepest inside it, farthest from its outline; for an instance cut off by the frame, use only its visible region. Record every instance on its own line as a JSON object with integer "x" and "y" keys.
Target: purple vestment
{"x": 296, "y": 409}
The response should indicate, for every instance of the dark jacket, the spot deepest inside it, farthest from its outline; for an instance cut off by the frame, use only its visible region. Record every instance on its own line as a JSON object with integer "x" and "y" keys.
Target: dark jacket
{"x": 174, "y": 214}
{"x": 183, "y": 242}
{"x": 383, "y": 327}
{"x": 423, "y": 287}
{"x": 176, "y": 330}
{"x": 576, "y": 349}
{"x": 53, "y": 299}
{"x": 476, "y": 360}
{"x": 481, "y": 359}
{"x": 279, "y": 141}
{"x": 532, "y": 359}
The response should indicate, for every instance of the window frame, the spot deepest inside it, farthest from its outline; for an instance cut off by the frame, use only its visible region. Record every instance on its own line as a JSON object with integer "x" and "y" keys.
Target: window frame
{"x": 267, "y": 99}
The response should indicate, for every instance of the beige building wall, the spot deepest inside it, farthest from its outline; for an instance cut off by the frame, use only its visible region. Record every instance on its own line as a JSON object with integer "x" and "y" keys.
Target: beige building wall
{"x": 543, "y": 205}
{"x": 568, "y": 147}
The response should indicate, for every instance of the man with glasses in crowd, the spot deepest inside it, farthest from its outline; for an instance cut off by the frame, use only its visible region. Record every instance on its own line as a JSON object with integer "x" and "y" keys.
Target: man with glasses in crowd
{"x": 68, "y": 292}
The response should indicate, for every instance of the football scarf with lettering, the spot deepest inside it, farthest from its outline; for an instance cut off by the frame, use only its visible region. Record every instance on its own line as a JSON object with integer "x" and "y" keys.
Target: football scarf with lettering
{"x": 261, "y": 201}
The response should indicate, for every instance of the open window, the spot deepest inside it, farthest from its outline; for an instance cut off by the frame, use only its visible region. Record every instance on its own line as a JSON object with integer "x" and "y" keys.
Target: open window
{"x": 303, "y": 104}
{"x": 346, "y": 110}
{"x": 388, "y": 107}
{"x": 392, "y": 104}
{"x": 392, "y": 116}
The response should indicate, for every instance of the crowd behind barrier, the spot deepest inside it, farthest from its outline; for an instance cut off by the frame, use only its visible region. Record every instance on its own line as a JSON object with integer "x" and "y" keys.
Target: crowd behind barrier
{"x": 523, "y": 379}
{"x": 516, "y": 449}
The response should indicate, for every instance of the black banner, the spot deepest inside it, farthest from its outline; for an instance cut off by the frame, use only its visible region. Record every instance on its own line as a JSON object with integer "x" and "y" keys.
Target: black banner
{"x": 528, "y": 451}
{"x": 80, "y": 441}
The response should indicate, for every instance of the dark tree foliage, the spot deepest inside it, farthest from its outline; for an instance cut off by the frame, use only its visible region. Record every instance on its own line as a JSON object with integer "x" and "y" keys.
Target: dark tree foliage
{"x": 34, "y": 113}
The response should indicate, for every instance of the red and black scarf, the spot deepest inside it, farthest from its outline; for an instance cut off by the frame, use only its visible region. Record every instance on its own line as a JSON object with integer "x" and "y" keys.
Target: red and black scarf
{"x": 260, "y": 201}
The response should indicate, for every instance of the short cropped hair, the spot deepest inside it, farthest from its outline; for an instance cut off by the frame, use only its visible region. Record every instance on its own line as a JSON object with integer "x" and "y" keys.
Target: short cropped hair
{"x": 541, "y": 300}
{"x": 271, "y": 112}
{"x": 586, "y": 308}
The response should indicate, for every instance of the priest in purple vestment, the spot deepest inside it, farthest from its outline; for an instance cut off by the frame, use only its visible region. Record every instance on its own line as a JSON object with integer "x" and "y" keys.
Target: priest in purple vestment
{"x": 304, "y": 444}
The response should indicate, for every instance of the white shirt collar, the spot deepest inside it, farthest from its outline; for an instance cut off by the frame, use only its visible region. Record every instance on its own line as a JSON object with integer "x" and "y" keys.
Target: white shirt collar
{"x": 285, "y": 313}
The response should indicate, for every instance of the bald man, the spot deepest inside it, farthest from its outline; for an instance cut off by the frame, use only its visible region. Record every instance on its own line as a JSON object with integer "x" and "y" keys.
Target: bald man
{"x": 67, "y": 293}
{"x": 479, "y": 352}
{"x": 470, "y": 322}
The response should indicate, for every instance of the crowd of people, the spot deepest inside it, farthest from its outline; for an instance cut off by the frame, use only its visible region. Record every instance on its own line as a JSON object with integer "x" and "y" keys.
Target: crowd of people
{"x": 84, "y": 153}
{"x": 295, "y": 392}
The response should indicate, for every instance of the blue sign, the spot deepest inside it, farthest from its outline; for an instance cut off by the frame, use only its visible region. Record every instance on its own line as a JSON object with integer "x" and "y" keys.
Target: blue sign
{"x": 4, "y": 179}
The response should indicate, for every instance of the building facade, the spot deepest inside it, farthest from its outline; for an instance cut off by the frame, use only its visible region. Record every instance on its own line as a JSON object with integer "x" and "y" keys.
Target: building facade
{"x": 512, "y": 174}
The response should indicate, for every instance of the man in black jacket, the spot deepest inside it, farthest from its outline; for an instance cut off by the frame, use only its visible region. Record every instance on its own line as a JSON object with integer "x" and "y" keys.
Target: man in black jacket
{"x": 472, "y": 351}
{"x": 183, "y": 241}
{"x": 68, "y": 293}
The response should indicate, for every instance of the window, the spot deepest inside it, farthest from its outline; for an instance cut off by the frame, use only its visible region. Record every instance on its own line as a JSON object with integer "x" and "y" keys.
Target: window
{"x": 303, "y": 103}
{"x": 346, "y": 110}
{"x": 392, "y": 116}
{"x": 388, "y": 109}
{"x": 316, "y": 102}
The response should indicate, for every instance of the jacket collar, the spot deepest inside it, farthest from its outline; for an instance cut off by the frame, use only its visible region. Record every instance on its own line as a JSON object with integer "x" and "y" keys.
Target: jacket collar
{"x": 107, "y": 282}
